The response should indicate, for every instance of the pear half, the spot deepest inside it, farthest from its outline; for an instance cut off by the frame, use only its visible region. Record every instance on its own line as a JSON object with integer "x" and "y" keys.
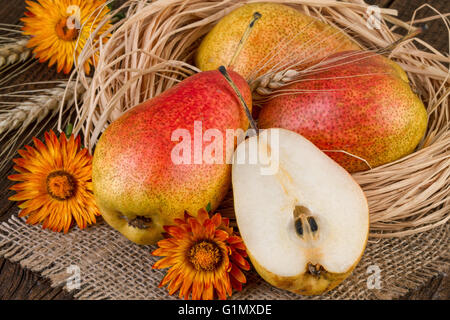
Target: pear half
{"x": 305, "y": 224}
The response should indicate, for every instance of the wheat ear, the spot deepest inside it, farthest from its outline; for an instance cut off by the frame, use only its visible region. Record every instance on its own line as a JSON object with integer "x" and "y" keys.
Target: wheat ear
{"x": 36, "y": 108}
{"x": 17, "y": 118}
{"x": 11, "y": 53}
{"x": 266, "y": 84}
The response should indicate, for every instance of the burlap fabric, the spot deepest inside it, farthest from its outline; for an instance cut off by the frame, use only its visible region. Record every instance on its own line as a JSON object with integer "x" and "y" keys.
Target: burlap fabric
{"x": 111, "y": 267}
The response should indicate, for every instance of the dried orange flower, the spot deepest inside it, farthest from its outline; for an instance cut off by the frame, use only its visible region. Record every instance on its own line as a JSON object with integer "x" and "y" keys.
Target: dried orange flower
{"x": 60, "y": 29}
{"x": 204, "y": 255}
{"x": 56, "y": 186}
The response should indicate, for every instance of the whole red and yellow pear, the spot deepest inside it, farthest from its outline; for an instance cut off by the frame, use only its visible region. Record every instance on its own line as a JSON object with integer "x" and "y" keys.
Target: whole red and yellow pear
{"x": 355, "y": 105}
{"x": 137, "y": 185}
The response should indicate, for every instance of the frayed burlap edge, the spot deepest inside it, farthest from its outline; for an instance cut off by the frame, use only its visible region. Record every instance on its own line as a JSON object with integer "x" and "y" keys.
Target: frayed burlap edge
{"x": 111, "y": 267}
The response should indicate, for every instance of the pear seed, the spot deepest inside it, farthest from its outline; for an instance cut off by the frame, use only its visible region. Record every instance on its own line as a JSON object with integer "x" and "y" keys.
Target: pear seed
{"x": 299, "y": 227}
{"x": 302, "y": 215}
{"x": 312, "y": 224}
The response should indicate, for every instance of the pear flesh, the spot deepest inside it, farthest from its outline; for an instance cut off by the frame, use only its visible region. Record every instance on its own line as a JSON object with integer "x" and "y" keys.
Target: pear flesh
{"x": 306, "y": 225}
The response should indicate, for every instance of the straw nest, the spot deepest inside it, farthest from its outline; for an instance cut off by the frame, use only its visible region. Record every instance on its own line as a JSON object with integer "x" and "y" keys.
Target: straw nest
{"x": 152, "y": 49}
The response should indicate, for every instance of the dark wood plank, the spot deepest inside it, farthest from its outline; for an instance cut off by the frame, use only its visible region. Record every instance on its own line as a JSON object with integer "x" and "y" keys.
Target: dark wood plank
{"x": 18, "y": 283}
{"x": 436, "y": 33}
{"x": 381, "y": 3}
{"x": 437, "y": 288}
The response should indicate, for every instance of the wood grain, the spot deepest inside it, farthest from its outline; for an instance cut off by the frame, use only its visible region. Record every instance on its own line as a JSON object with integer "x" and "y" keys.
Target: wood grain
{"x": 19, "y": 283}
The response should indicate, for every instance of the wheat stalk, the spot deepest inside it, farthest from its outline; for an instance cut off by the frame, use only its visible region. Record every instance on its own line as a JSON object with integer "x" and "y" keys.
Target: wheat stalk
{"x": 41, "y": 104}
{"x": 15, "y": 52}
{"x": 273, "y": 80}
{"x": 15, "y": 56}
{"x": 38, "y": 107}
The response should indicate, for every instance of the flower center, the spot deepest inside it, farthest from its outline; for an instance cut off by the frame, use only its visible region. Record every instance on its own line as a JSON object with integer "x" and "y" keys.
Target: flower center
{"x": 205, "y": 256}
{"x": 66, "y": 29}
{"x": 60, "y": 185}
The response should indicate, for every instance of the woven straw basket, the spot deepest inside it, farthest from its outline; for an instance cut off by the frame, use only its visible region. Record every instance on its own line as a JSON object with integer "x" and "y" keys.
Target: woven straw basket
{"x": 151, "y": 50}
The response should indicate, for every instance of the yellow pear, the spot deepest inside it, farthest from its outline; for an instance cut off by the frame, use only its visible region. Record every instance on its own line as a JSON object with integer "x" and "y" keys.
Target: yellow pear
{"x": 282, "y": 36}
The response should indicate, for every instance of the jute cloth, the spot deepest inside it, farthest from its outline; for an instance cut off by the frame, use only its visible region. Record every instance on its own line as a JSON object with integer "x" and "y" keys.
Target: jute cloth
{"x": 111, "y": 267}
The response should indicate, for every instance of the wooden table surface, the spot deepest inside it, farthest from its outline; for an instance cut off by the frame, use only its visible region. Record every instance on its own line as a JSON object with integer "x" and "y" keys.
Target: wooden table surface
{"x": 19, "y": 283}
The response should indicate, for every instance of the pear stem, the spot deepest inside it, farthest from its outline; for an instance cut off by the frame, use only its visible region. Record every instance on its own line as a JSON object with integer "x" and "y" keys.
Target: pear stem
{"x": 244, "y": 38}
{"x": 408, "y": 36}
{"x": 252, "y": 122}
